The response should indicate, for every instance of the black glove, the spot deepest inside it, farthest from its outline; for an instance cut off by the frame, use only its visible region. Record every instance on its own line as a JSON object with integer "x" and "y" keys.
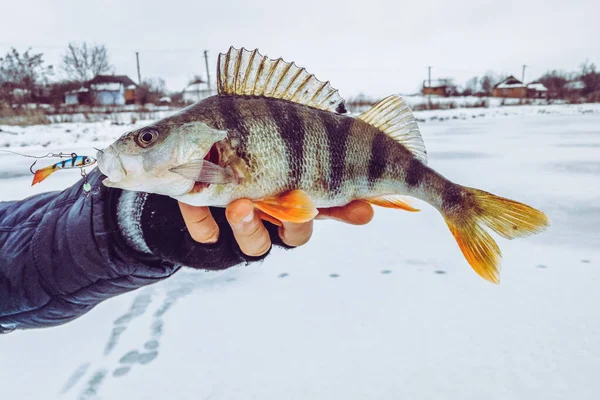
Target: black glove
{"x": 153, "y": 224}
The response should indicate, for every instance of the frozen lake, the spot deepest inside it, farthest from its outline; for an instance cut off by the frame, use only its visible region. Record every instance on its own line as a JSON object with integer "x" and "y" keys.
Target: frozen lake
{"x": 391, "y": 310}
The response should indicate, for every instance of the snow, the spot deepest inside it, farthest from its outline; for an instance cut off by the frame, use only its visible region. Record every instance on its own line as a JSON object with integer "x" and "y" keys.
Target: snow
{"x": 538, "y": 87}
{"x": 510, "y": 85}
{"x": 389, "y": 310}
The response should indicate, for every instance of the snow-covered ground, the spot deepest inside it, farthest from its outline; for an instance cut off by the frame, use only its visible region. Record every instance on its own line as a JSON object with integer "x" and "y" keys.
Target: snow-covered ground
{"x": 386, "y": 311}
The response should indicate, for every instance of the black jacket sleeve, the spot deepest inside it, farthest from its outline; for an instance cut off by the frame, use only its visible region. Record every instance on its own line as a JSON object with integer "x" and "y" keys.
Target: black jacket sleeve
{"x": 62, "y": 253}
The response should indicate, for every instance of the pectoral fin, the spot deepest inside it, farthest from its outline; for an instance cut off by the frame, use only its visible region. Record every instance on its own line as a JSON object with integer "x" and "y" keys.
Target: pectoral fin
{"x": 206, "y": 172}
{"x": 295, "y": 206}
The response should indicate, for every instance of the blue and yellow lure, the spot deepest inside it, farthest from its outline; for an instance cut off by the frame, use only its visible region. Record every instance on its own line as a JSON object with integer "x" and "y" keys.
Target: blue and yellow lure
{"x": 74, "y": 162}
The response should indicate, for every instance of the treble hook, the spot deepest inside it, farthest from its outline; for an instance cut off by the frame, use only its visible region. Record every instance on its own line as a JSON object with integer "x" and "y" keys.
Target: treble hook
{"x": 31, "y": 168}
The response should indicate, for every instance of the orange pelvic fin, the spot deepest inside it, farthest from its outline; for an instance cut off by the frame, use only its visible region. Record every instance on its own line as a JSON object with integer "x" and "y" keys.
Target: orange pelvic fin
{"x": 266, "y": 217}
{"x": 396, "y": 202}
{"x": 295, "y": 206}
{"x": 42, "y": 174}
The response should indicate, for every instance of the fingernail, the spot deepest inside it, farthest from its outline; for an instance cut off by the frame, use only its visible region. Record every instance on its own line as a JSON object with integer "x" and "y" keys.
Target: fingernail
{"x": 249, "y": 217}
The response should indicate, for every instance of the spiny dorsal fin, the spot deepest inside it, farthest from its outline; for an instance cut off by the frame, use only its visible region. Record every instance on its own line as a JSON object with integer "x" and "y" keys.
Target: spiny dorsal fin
{"x": 249, "y": 73}
{"x": 395, "y": 118}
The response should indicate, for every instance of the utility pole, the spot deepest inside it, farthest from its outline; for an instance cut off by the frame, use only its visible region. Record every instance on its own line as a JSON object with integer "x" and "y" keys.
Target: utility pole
{"x": 429, "y": 68}
{"x": 137, "y": 58}
{"x": 207, "y": 70}
{"x": 523, "y": 74}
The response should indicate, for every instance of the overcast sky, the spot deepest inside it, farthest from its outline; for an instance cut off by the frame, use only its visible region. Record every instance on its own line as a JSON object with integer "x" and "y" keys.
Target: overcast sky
{"x": 370, "y": 46}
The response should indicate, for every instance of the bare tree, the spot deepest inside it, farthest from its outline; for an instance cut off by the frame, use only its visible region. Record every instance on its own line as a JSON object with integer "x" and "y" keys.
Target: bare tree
{"x": 472, "y": 86}
{"x": 25, "y": 72}
{"x": 591, "y": 79}
{"x": 151, "y": 90}
{"x": 82, "y": 62}
{"x": 555, "y": 81}
{"x": 487, "y": 82}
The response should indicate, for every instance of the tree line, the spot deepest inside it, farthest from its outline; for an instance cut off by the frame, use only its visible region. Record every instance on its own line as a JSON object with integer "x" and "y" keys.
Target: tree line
{"x": 25, "y": 77}
{"x": 574, "y": 86}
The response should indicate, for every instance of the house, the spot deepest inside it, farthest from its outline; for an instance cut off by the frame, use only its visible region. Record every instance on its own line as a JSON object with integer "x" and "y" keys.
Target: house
{"x": 575, "y": 87}
{"x": 196, "y": 91}
{"x": 77, "y": 96}
{"x": 442, "y": 87}
{"x": 104, "y": 90}
{"x": 112, "y": 89}
{"x": 510, "y": 87}
{"x": 513, "y": 88}
{"x": 537, "y": 90}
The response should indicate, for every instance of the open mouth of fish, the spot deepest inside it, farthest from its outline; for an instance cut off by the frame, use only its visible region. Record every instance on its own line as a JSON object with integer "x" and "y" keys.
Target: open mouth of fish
{"x": 213, "y": 157}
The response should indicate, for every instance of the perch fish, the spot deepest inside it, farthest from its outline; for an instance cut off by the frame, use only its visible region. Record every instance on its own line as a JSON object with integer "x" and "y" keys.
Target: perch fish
{"x": 282, "y": 138}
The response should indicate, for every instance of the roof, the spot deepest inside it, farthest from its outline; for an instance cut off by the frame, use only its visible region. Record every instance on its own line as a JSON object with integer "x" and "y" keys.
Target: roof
{"x": 575, "y": 85}
{"x": 124, "y": 79}
{"x": 196, "y": 87}
{"x": 437, "y": 84}
{"x": 537, "y": 86}
{"x": 510, "y": 82}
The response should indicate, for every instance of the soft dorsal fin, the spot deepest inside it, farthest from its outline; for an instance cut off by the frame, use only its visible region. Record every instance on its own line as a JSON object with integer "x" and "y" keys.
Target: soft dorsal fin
{"x": 395, "y": 118}
{"x": 249, "y": 73}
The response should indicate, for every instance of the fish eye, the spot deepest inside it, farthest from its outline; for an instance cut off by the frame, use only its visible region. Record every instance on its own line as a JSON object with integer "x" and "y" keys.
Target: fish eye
{"x": 147, "y": 136}
{"x": 87, "y": 160}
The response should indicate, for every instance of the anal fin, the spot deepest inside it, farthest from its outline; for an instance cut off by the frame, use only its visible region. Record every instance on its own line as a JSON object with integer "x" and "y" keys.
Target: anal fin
{"x": 295, "y": 206}
{"x": 391, "y": 201}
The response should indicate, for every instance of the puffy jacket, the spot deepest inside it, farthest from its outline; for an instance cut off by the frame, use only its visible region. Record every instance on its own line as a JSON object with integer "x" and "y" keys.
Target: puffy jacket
{"x": 62, "y": 253}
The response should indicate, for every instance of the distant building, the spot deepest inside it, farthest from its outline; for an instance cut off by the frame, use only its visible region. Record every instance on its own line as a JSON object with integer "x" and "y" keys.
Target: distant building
{"x": 510, "y": 87}
{"x": 196, "y": 91}
{"x": 513, "y": 88}
{"x": 77, "y": 96}
{"x": 575, "y": 87}
{"x": 104, "y": 90}
{"x": 442, "y": 87}
{"x": 537, "y": 90}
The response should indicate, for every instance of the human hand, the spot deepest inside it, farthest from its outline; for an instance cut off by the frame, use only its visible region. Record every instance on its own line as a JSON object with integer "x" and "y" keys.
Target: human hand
{"x": 250, "y": 232}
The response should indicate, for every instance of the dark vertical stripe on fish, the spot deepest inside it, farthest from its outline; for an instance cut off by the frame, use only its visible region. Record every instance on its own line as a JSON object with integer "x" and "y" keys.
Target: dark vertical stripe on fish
{"x": 291, "y": 129}
{"x": 379, "y": 158}
{"x": 451, "y": 196}
{"x": 233, "y": 121}
{"x": 415, "y": 173}
{"x": 62, "y": 164}
{"x": 338, "y": 132}
{"x": 73, "y": 161}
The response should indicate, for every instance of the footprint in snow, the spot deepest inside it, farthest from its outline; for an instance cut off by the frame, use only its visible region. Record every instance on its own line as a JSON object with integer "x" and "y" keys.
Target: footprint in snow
{"x": 334, "y": 276}
{"x": 283, "y": 275}
{"x": 122, "y": 371}
{"x": 386, "y": 271}
{"x": 440, "y": 272}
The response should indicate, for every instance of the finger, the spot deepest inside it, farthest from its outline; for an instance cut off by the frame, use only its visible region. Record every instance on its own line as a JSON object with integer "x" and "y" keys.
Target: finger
{"x": 200, "y": 223}
{"x": 248, "y": 230}
{"x": 295, "y": 234}
{"x": 356, "y": 212}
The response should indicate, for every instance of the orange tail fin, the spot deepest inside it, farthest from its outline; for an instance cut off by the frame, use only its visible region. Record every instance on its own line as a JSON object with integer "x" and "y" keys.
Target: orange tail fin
{"x": 508, "y": 218}
{"x": 42, "y": 174}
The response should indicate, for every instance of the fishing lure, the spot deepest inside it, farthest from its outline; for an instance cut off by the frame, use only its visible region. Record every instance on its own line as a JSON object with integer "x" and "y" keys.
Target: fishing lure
{"x": 74, "y": 161}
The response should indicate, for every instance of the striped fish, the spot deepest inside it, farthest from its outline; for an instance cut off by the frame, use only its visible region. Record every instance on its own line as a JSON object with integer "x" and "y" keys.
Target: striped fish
{"x": 278, "y": 136}
{"x": 73, "y": 162}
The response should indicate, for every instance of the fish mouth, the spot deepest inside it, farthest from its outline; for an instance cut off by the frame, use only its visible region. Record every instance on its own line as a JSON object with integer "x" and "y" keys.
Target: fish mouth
{"x": 111, "y": 165}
